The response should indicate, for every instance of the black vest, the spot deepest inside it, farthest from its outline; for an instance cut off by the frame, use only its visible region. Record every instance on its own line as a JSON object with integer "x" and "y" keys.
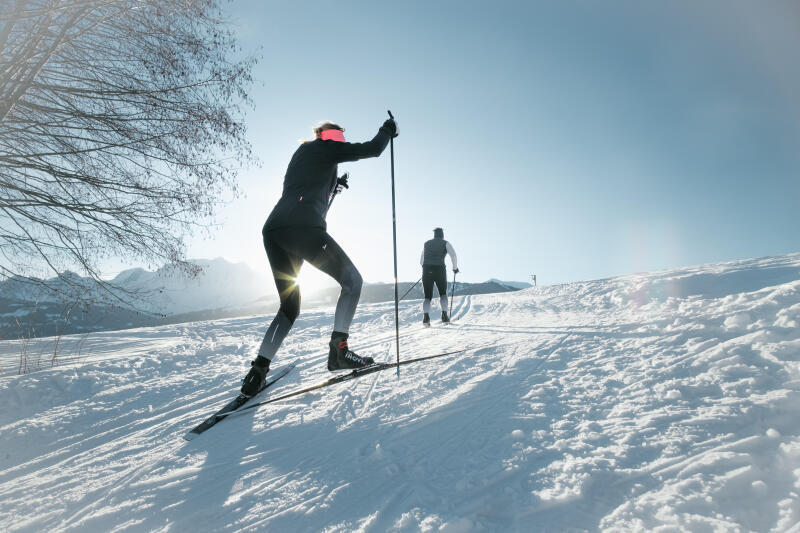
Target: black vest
{"x": 435, "y": 250}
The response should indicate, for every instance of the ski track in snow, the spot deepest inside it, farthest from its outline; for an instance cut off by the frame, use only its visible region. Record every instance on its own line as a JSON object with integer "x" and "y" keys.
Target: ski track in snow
{"x": 657, "y": 401}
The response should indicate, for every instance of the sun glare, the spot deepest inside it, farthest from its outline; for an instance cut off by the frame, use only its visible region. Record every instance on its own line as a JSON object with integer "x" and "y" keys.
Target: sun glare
{"x": 312, "y": 280}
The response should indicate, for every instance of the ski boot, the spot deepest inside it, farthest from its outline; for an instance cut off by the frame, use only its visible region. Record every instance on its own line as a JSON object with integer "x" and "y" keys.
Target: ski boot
{"x": 445, "y": 318}
{"x": 340, "y": 356}
{"x": 255, "y": 379}
{"x": 426, "y": 320}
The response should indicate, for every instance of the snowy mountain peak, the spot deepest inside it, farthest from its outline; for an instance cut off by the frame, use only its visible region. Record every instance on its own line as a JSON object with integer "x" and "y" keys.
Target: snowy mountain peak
{"x": 167, "y": 290}
{"x": 516, "y": 285}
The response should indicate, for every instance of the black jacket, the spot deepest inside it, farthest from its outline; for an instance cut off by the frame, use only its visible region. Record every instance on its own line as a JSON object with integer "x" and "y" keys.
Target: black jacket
{"x": 311, "y": 177}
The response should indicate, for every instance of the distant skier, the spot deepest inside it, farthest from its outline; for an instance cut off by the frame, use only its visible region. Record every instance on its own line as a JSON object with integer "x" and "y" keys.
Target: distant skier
{"x": 434, "y": 271}
{"x": 296, "y": 231}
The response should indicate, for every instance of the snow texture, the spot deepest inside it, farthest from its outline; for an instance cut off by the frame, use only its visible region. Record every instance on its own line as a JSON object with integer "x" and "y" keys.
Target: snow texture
{"x": 664, "y": 401}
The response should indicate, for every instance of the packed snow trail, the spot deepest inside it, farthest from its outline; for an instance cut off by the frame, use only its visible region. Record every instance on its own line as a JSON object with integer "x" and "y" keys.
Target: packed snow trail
{"x": 659, "y": 399}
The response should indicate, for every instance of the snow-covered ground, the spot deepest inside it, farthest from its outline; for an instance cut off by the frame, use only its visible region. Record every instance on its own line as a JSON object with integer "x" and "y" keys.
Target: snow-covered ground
{"x": 661, "y": 400}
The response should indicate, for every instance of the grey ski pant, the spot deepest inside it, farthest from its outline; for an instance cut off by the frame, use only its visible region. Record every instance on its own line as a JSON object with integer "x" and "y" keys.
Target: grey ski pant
{"x": 287, "y": 250}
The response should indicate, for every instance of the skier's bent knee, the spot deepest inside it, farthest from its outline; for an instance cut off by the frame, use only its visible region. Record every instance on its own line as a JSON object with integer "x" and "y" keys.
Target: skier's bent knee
{"x": 352, "y": 282}
{"x": 290, "y": 312}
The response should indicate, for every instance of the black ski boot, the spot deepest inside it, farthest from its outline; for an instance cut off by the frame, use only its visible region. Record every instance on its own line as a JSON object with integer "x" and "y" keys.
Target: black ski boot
{"x": 340, "y": 356}
{"x": 254, "y": 379}
{"x": 426, "y": 320}
{"x": 445, "y": 318}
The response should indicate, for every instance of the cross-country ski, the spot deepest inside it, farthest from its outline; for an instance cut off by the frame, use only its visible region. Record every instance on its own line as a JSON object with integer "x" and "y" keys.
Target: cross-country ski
{"x": 341, "y": 378}
{"x": 235, "y": 404}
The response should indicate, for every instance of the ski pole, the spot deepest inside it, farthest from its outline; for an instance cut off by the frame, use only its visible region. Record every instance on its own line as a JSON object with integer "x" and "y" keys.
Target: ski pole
{"x": 452, "y": 295}
{"x": 394, "y": 242}
{"x": 409, "y": 290}
{"x": 336, "y": 188}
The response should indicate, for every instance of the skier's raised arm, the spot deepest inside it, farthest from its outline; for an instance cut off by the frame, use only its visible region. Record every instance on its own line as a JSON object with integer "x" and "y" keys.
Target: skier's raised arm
{"x": 345, "y": 151}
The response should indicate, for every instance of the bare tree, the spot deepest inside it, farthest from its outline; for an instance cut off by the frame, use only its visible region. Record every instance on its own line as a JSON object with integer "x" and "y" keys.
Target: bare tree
{"x": 120, "y": 129}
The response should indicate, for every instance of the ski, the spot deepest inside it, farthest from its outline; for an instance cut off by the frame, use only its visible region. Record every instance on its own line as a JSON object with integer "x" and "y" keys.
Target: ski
{"x": 357, "y": 373}
{"x": 235, "y": 404}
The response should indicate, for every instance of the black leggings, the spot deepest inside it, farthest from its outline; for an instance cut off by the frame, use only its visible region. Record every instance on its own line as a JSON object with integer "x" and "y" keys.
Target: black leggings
{"x": 287, "y": 249}
{"x": 434, "y": 274}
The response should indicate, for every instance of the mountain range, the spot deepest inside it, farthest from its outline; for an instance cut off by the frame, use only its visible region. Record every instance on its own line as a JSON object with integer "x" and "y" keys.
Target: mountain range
{"x": 169, "y": 296}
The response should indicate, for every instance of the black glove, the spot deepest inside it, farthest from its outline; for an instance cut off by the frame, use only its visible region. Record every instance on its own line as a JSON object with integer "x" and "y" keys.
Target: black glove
{"x": 456, "y": 271}
{"x": 391, "y": 126}
{"x": 341, "y": 182}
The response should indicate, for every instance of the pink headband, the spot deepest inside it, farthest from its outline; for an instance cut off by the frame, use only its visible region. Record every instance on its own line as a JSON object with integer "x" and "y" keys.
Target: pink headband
{"x": 332, "y": 135}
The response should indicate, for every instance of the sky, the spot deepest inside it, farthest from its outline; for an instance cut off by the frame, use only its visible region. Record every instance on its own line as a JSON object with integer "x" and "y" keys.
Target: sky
{"x": 573, "y": 140}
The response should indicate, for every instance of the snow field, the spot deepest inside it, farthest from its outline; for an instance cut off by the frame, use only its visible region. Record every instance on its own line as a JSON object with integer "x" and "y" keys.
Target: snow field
{"x": 664, "y": 401}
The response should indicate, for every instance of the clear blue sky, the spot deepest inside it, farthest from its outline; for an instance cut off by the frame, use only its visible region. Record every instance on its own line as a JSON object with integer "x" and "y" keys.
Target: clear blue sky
{"x": 574, "y": 140}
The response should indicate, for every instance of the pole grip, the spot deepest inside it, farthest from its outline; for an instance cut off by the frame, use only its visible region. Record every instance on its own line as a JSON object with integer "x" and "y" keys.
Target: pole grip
{"x": 390, "y": 114}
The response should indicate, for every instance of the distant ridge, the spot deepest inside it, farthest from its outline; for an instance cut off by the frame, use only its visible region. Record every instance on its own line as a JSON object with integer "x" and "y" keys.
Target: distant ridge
{"x": 222, "y": 290}
{"x": 517, "y": 285}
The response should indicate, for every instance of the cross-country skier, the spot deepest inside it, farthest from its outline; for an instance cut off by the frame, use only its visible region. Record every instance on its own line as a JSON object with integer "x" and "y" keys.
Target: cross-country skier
{"x": 296, "y": 231}
{"x": 434, "y": 271}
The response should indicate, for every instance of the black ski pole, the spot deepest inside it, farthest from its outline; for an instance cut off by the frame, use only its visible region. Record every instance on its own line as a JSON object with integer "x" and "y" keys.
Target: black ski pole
{"x": 394, "y": 241}
{"x": 409, "y": 289}
{"x": 452, "y": 295}
{"x": 342, "y": 183}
